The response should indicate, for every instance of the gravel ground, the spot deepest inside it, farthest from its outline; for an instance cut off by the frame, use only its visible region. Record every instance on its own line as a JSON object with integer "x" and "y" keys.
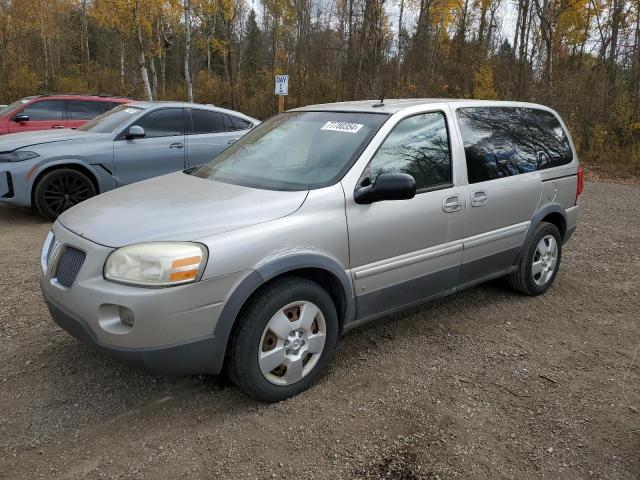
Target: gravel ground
{"x": 482, "y": 384}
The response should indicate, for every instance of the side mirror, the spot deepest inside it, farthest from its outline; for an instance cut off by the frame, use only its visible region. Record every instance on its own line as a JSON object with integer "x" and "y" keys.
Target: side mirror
{"x": 21, "y": 117}
{"x": 135, "y": 131}
{"x": 388, "y": 186}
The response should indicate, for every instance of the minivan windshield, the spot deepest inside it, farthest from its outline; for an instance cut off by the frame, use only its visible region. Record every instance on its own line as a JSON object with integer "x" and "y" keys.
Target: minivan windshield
{"x": 13, "y": 106}
{"x": 108, "y": 122}
{"x": 295, "y": 150}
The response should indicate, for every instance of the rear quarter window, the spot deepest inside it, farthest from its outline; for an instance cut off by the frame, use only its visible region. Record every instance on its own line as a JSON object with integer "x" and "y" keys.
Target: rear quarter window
{"x": 505, "y": 141}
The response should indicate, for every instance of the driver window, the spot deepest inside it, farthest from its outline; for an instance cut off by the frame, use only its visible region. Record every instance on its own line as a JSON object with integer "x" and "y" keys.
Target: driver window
{"x": 167, "y": 122}
{"x": 418, "y": 146}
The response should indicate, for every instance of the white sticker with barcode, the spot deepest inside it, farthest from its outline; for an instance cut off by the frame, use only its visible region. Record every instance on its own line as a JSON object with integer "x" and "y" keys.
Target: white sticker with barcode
{"x": 345, "y": 127}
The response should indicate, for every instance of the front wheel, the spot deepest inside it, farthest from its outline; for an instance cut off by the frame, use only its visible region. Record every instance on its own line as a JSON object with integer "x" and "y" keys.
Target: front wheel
{"x": 539, "y": 263}
{"x": 284, "y": 341}
{"x": 60, "y": 190}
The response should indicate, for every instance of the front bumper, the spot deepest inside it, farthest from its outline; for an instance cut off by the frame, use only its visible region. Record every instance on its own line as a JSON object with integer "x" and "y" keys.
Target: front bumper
{"x": 173, "y": 327}
{"x": 199, "y": 356}
{"x": 15, "y": 184}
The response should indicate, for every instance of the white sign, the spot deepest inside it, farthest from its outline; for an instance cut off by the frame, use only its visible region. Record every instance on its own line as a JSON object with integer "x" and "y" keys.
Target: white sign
{"x": 282, "y": 84}
{"x": 342, "y": 127}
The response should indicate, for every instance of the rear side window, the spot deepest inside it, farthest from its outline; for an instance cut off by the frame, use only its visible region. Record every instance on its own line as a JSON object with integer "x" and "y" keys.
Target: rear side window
{"x": 504, "y": 141}
{"x": 167, "y": 122}
{"x": 85, "y": 110}
{"x": 45, "y": 110}
{"x": 233, "y": 124}
{"x": 206, "y": 121}
{"x": 418, "y": 146}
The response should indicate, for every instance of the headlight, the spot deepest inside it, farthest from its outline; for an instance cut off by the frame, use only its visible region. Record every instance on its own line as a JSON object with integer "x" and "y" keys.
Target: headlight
{"x": 17, "y": 156}
{"x": 156, "y": 264}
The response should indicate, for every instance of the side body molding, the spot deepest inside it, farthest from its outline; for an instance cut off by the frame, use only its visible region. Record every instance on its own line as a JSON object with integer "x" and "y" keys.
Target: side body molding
{"x": 262, "y": 274}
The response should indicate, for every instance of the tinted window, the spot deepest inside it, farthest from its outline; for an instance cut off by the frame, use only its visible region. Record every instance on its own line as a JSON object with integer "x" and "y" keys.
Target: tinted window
{"x": 167, "y": 122}
{"x": 418, "y": 146}
{"x": 206, "y": 121}
{"x": 295, "y": 150}
{"x": 45, "y": 110}
{"x": 85, "y": 110}
{"x": 233, "y": 124}
{"x": 504, "y": 141}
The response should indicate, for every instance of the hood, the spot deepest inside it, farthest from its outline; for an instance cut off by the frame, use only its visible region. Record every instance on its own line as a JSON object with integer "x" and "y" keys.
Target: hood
{"x": 175, "y": 207}
{"x": 13, "y": 141}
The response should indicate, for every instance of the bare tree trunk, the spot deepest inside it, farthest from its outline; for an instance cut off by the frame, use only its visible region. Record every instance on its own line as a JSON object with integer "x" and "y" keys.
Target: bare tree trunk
{"x": 635, "y": 68}
{"x": 122, "y": 77}
{"x": 187, "y": 49}
{"x": 350, "y": 48}
{"x": 85, "y": 31}
{"x": 209, "y": 53}
{"x": 399, "y": 59}
{"x": 154, "y": 78}
{"x": 230, "y": 60}
{"x": 163, "y": 73}
{"x": 616, "y": 19}
{"x": 142, "y": 63}
{"x": 45, "y": 51}
{"x": 482, "y": 27}
{"x": 517, "y": 29}
{"x": 524, "y": 31}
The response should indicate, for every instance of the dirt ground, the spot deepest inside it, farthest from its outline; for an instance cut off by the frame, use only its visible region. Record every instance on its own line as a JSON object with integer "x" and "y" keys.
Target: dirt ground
{"x": 482, "y": 384}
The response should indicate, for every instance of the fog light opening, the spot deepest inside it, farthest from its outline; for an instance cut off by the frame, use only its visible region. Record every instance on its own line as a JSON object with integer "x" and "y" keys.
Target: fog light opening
{"x": 126, "y": 316}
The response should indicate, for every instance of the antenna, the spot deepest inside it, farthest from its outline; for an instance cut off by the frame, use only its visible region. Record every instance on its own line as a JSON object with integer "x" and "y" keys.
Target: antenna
{"x": 382, "y": 86}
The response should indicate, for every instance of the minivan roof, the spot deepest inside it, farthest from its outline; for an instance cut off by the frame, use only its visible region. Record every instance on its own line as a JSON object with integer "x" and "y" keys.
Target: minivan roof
{"x": 393, "y": 105}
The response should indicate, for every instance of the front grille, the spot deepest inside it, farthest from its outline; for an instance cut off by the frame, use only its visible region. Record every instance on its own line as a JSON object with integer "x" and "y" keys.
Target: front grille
{"x": 69, "y": 266}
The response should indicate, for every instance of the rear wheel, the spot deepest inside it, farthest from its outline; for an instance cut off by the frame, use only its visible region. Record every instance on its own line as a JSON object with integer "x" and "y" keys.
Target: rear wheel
{"x": 540, "y": 261}
{"x": 284, "y": 341}
{"x": 60, "y": 190}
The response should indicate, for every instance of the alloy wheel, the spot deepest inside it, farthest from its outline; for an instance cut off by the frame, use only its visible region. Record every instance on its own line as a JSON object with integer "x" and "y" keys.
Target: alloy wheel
{"x": 545, "y": 260}
{"x": 65, "y": 191}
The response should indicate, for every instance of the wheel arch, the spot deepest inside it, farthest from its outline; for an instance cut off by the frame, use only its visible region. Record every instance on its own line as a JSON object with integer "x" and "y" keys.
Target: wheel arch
{"x": 74, "y": 165}
{"x": 554, "y": 214}
{"x": 316, "y": 267}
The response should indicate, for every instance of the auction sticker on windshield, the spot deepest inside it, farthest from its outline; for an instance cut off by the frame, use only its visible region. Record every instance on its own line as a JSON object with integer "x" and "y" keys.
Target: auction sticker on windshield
{"x": 342, "y": 127}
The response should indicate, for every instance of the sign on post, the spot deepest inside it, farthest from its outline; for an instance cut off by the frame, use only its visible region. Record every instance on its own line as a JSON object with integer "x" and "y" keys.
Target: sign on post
{"x": 282, "y": 89}
{"x": 282, "y": 84}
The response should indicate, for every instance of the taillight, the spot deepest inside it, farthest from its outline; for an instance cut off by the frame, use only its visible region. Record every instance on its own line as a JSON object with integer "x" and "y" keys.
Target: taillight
{"x": 580, "y": 186}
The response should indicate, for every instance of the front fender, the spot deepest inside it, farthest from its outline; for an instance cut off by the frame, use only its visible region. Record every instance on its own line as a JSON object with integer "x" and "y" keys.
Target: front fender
{"x": 102, "y": 174}
{"x": 267, "y": 270}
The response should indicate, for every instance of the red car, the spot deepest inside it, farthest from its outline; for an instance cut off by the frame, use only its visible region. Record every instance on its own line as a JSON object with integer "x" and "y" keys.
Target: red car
{"x": 42, "y": 112}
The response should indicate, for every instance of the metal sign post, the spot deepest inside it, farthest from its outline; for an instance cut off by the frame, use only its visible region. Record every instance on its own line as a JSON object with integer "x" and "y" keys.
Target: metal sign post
{"x": 282, "y": 89}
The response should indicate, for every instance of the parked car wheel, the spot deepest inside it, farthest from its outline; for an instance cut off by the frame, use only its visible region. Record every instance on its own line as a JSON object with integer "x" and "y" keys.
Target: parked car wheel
{"x": 538, "y": 266}
{"x": 284, "y": 341}
{"x": 60, "y": 190}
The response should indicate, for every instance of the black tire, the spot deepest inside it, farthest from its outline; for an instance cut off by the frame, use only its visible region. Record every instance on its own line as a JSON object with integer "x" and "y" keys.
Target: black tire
{"x": 242, "y": 361}
{"x": 61, "y": 189}
{"x": 522, "y": 280}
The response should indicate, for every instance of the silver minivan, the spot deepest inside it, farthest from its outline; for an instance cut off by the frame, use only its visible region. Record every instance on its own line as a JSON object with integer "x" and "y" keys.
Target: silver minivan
{"x": 317, "y": 221}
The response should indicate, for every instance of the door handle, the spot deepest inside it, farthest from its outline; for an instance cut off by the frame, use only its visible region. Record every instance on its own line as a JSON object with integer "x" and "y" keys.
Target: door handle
{"x": 232, "y": 141}
{"x": 176, "y": 145}
{"x": 479, "y": 198}
{"x": 57, "y": 126}
{"x": 451, "y": 204}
